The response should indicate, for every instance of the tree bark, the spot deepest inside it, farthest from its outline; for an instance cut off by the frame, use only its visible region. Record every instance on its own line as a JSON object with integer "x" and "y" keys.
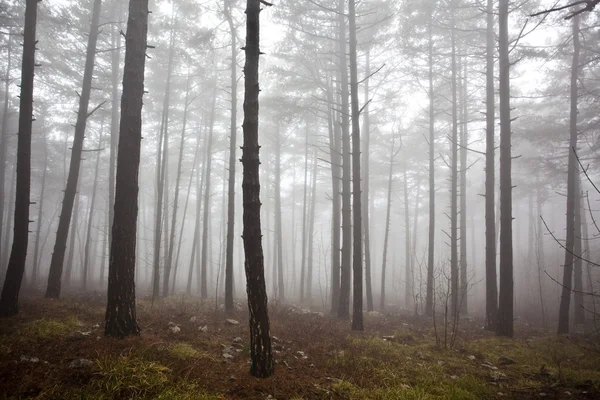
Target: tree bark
{"x": 4, "y": 146}
{"x": 311, "y": 231}
{"x": 387, "y": 228}
{"x": 357, "y": 296}
{"x": 62, "y": 233}
{"x": 579, "y": 310}
{"x": 345, "y": 278}
{"x": 431, "y": 241}
{"x": 336, "y": 176}
{"x": 464, "y": 142}
{"x": 567, "y": 282}
{"x": 207, "y": 207}
{"x": 229, "y": 306}
{"x": 454, "y": 179}
{"x": 72, "y": 235}
{"x": 408, "y": 275}
{"x": 88, "y": 236}
{"x": 491, "y": 285}
{"x": 278, "y": 265}
{"x": 365, "y": 212}
{"x": 304, "y": 219}
{"x": 505, "y": 302}
{"x": 120, "y": 320}
{"x": 36, "y": 253}
{"x": 18, "y": 254}
{"x": 262, "y": 365}
{"x": 176, "y": 195}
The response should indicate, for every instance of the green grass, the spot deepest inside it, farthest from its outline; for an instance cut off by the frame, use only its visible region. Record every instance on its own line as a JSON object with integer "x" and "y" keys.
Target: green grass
{"x": 185, "y": 351}
{"x": 50, "y": 328}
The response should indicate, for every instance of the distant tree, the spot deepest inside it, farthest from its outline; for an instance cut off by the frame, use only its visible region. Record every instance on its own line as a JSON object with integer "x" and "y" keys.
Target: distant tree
{"x": 261, "y": 355}
{"x": 16, "y": 264}
{"x": 120, "y": 319}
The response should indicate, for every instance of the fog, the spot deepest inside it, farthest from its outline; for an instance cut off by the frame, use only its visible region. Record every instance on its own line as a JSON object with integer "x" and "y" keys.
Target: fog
{"x": 419, "y": 75}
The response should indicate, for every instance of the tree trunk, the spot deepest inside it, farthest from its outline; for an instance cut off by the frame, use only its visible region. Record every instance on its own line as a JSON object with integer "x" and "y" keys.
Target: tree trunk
{"x": 207, "y": 207}
{"x": 176, "y": 195}
{"x": 408, "y": 282}
{"x": 491, "y": 288}
{"x": 187, "y": 199}
{"x": 311, "y": 231}
{"x": 567, "y": 283}
{"x": 120, "y": 320}
{"x": 540, "y": 250}
{"x": 4, "y": 146}
{"x": 196, "y": 239}
{"x": 278, "y": 265}
{"x": 88, "y": 236}
{"x": 357, "y": 313}
{"x": 505, "y": 303}
{"x": 229, "y": 306}
{"x": 336, "y": 175}
{"x": 262, "y": 365}
{"x": 365, "y": 212}
{"x": 464, "y": 142}
{"x": 345, "y": 278}
{"x": 454, "y": 180}
{"x": 387, "y": 228}
{"x": 431, "y": 241}
{"x": 579, "y": 310}
{"x": 9, "y": 219}
{"x": 161, "y": 165}
{"x": 16, "y": 264}
{"x": 304, "y": 218}
{"x": 62, "y": 233}
{"x": 36, "y": 253}
{"x": 114, "y": 120}
{"x": 72, "y": 235}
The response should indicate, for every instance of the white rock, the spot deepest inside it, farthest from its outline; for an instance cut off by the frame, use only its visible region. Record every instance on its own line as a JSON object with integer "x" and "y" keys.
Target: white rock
{"x": 174, "y": 329}
{"x": 233, "y": 322}
{"x": 193, "y": 319}
{"x": 203, "y": 328}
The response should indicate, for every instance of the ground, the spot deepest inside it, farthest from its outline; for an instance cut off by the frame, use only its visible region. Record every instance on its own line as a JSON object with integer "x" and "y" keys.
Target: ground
{"x": 55, "y": 349}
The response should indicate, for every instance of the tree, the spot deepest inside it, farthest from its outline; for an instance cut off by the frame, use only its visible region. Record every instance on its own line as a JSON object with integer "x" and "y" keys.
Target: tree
{"x": 16, "y": 264}
{"x": 120, "y": 319}
{"x": 261, "y": 355}
{"x": 62, "y": 233}
{"x": 231, "y": 180}
{"x": 572, "y": 191}
{"x": 357, "y": 254}
{"x": 491, "y": 288}
{"x": 505, "y": 302}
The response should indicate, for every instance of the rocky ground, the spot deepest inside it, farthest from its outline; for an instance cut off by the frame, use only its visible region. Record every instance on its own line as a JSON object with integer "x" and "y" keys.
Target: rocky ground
{"x": 190, "y": 350}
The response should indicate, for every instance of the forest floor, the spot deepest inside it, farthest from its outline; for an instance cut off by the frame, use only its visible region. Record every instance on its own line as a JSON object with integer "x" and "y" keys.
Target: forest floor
{"x": 56, "y": 350}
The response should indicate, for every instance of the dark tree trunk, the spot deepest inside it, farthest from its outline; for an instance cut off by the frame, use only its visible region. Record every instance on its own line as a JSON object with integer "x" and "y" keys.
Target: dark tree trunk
{"x": 9, "y": 219}
{"x": 88, "y": 236}
{"x": 16, "y": 264}
{"x": 345, "y": 278}
{"x": 491, "y": 285}
{"x": 4, "y": 147}
{"x": 74, "y": 226}
{"x": 365, "y": 212}
{"x": 207, "y": 207}
{"x": 229, "y": 306}
{"x": 387, "y": 228}
{"x": 357, "y": 296}
{"x": 120, "y": 320}
{"x": 114, "y": 120}
{"x": 62, "y": 233}
{"x": 505, "y": 301}
{"x": 262, "y": 365}
{"x": 176, "y": 195}
{"x": 431, "y": 241}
